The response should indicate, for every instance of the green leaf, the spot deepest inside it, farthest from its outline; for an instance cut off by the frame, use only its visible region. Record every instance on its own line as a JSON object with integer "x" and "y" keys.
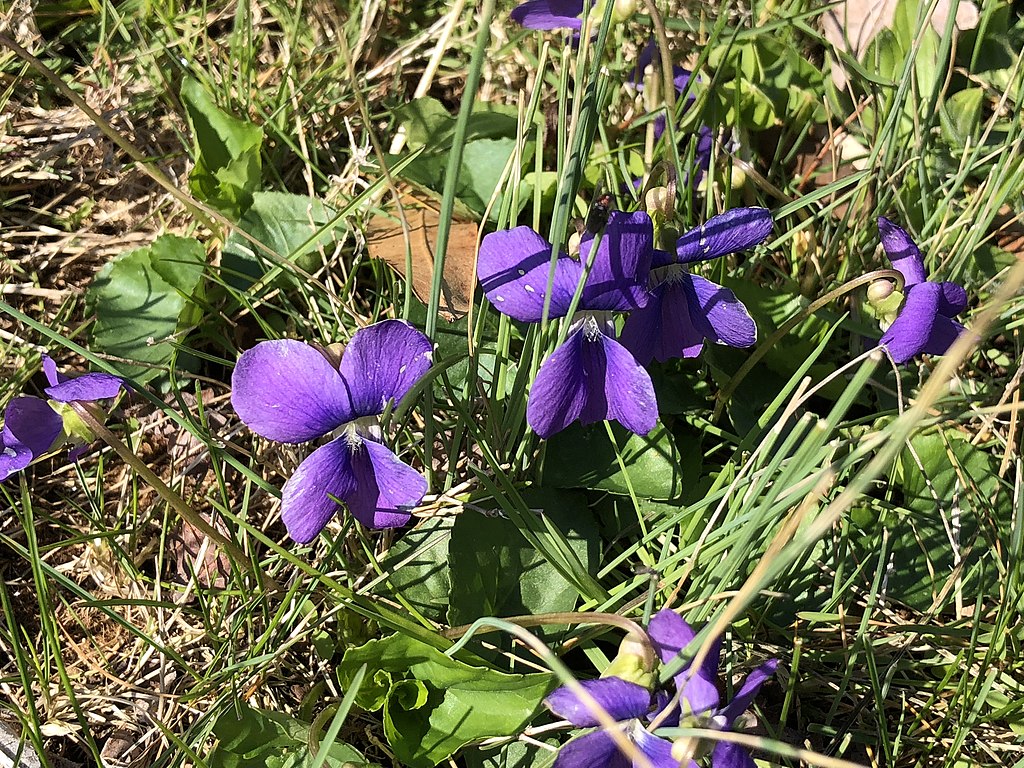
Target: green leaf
{"x": 946, "y": 484}
{"x": 227, "y": 153}
{"x": 496, "y": 572}
{"x": 418, "y": 564}
{"x": 960, "y": 116}
{"x": 251, "y": 737}
{"x": 584, "y": 457}
{"x": 298, "y": 229}
{"x": 427, "y": 123}
{"x": 451, "y": 704}
{"x": 142, "y": 299}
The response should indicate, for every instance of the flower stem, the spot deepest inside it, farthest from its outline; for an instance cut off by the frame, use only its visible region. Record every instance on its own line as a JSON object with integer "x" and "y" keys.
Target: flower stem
{"x": 166, "y": 492}
{"x": 786, "y": 327}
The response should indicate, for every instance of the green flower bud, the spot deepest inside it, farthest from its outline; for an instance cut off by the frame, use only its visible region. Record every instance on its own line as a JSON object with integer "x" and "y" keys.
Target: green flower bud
{"x": 635, "y": 662}
{"x": 75, "y": 430}
{"x": 884, "y": 302}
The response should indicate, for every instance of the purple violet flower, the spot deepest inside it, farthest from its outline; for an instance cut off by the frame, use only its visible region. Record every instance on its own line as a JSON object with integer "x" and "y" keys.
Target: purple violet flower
{"x": 549, "y": 14}
{"x": 590, "y": 377}
{"x": 924, "y": 323}
{"x": 290, "y": 392}
{"x": 632, "y": 705}
{"x": 686, "y": 309}
{"x": 564, "y": 14}
{"x": 33, "y": 428}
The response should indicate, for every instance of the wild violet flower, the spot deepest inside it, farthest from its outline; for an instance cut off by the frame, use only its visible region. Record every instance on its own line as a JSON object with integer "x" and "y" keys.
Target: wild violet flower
{"x": 564, "y": 14}
{"x": 634, "y": 707}
{"x": 290, "y": 392}
{"x": 920, "y": 319}
{"x": 33, "y": 427}
{"x": 590, "y": 377}
{"x": 685, "y": 309}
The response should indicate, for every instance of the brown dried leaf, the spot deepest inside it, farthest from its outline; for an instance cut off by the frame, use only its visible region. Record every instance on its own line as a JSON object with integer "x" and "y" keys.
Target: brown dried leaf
{"x": 385, "y": 240}
{"x": 851, "y": 25}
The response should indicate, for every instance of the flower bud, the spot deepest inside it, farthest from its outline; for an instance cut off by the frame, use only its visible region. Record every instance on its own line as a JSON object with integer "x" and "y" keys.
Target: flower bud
{"x": 622, "y": 10}
{"x": 684, "y": 749}
{"x": 635, "y": 662}
{"x": 574, "y": 244}
{"x": 880, "y": 290}
{"x": 659, "y": 201}
{"x": 76, "y": 432}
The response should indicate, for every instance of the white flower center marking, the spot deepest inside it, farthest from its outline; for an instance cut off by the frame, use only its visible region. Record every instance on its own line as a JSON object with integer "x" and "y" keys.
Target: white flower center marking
{"x": 529, "y": 289}
{"x": 10, "y": 453}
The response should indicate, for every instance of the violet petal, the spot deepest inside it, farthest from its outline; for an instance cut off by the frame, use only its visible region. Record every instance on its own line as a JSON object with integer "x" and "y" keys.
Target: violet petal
{"x": 954, "y": 299}
{"x": 619, "y": 698}
{"x": 288, "y": 391}
{"x": 657, "y": 750}
{"x": 306, "y": 503}
{"x": 621, "y": 264}
{"x": 729, "y": 755}
{"x": 747, "y": 691}
{"x": 31, "y": 427}
{"x": 548, "y": 14}
{"x": 514, "y": 266}
{"x": 729, "y": 232}
{"x": 670, "y": 634}
{"x": 908, "y": 335}
{"x": 386, "y": 489}
{"x": 664, "y": 329}
{"x": 85, "y": 388}
{"x": 596, "y": 749}
{"x": 722, "y": 316}
{"x": 383, "y": 362}
{"x": 943, "y": 334}
{"x": 591, "y": 377}
{"x": 53, "y": 376}
{"x": 902, "y": 252}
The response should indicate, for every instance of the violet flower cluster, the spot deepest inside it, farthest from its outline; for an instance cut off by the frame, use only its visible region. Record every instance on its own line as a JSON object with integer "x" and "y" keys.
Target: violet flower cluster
{"x": 33, "y": 427}
{"x": 697, "y": 703}
{"x": 592, "y": 376}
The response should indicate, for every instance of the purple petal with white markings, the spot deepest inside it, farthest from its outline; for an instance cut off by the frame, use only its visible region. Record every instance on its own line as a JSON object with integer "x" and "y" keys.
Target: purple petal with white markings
{"x": 718, "y": 313}
{"x": 383, "y": 362}
{"x": 548, "y": 14}
{"x": 902, "y": 252}
{"x": 729, "y": 232}
{"x": 514, "y": 266}
{"x": 729, "y": 755}
{"x": 387, "y": 489}
{"x": 288, "y": 391}
{"x": 621, "y": 699}
{"x": 592, "y": 378}
{"x": 591, "y": 750}
{"x": 747, "y": 691}
{"x": 306, "y": 503}
{"x": 670, "y": 634}
{"x": 909, "y": 334}
{"x": 31, "y": 427}
{"x": 621, "y": 264}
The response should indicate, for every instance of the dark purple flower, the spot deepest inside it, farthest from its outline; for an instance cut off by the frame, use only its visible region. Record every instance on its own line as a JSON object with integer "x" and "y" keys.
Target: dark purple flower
{"x": 590, "y": 377}
{"x": 924, "y": 323}
{"x": 33, "y": 428}
{"x": 633, "y": 707}
{"x": 290, "y": 392}
{"x": 686, "y": 309}
{"x": 549, "y": 14}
